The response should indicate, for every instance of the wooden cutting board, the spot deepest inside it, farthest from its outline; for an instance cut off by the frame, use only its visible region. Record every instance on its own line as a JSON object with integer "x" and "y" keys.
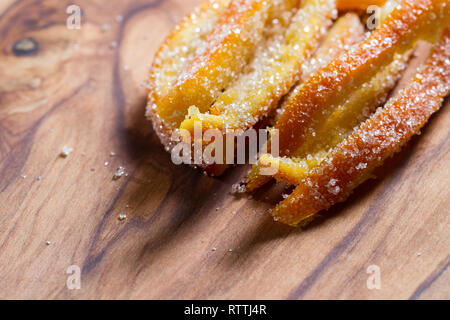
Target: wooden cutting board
{"x": 185, "y": 235}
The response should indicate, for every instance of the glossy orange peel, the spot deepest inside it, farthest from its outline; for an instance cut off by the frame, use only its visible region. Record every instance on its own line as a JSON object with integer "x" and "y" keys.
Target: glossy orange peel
{"x": 275, "y": 68}
{"x": 232, "y": 63}
{"x": 346, "y": 32}
{"x": 353, "y": 161}
{"x": 331, "y": 86}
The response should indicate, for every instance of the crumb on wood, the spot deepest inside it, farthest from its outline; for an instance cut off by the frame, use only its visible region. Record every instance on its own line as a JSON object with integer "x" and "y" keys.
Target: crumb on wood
{"x": 65, "y": 151}
{"x": 119, "y": 173}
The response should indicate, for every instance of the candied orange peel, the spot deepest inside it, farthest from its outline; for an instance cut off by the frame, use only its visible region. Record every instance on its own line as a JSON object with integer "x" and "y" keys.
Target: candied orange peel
{"x": 331, "y": 86}
{"x": 353, "y": 160}
{"x": 174, "y": 54}
{"x": 319, "y": 120}
{"x": 275, "y": 68}
{"x": 311, "y": 71}
{"x": 233, "y": 61}
{"x": 325, "y": 135}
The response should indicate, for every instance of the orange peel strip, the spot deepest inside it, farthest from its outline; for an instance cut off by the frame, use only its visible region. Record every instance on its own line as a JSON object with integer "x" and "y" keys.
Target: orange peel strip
{"x": 409, "y": 22}
{"x": 346, "y": 32}
{"x": 324, "y": 136}
{"x": 174, "y": 54}
{"x": 181, "y": 45}
{"x": 360, "y": 105}
{"x": 380, "y": 137}
{"x": 224, "y": 54}
{"x": 290, "y": 171}
{"x": 274, "y": 69}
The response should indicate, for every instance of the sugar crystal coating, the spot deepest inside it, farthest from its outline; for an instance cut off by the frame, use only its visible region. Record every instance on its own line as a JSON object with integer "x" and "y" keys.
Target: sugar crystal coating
{"x": 378, "y": 138}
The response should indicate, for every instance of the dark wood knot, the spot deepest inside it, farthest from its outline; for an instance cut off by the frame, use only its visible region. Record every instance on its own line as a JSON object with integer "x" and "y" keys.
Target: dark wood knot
{"x": 25, "y": 47}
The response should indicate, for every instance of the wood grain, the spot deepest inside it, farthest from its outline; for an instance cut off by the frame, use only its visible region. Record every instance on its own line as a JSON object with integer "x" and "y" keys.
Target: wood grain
{"x": 77, "y": 90}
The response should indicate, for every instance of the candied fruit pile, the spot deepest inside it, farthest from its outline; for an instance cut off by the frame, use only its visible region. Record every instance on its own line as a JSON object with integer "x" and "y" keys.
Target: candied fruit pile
{"x": 314, "y": 72}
